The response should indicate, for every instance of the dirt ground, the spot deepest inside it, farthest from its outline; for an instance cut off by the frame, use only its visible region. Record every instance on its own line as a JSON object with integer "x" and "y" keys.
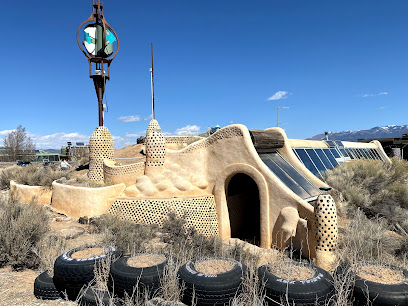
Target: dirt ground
{"x": 129, "y": 155}
{"x": 16, "y": 288}
{"x": 129, "y": 151}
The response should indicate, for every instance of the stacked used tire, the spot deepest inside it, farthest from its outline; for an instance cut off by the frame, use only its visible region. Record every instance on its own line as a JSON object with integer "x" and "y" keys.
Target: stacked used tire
{"x": 315, "y": 290}
{"x": 127, "y": 279}
{"x": 368, "y": 292}
{"x": 210, "y": 289}
{"x": 71, "y": 274}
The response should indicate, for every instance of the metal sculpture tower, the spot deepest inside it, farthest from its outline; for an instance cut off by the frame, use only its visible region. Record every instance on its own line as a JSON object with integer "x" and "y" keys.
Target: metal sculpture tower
{"x": 98, "y": 49}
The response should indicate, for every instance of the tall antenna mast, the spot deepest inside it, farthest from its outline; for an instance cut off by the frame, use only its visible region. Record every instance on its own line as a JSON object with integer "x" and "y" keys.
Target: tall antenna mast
{"x": 152, "y": 84}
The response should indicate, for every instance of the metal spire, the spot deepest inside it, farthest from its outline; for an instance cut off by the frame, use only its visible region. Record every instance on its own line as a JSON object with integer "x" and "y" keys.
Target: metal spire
{"x": 152, "y": 83}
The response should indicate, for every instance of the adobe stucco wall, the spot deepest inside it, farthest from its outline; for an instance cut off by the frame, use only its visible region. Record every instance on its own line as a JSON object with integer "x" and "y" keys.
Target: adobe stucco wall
{"x": 228, "y": 152}
{"x": 126, "y": 174}
{"x": 26, "y": 194}
{"x": 78, "y": 202}
{"x": 303, "y": 143}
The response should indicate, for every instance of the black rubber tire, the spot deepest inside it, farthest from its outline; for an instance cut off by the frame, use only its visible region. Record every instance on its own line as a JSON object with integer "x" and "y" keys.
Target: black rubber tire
{"x": 44, "y": 288}
{"x": 381, "y": 294}
{"x": 68, "y": 291}
{"x": 161, "y": 302}
{"x": 125, "y": 278}
{"x": 70, "y": 274}
{"x": 318, "y": 290}
{"x": 95, "y": 297}
{"x": 206, "y": 289}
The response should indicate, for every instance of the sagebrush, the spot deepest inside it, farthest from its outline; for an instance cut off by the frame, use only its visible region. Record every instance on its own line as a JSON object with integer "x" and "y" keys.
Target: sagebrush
{"x": 32, "y": 175}
{"x": 377, "y": 188}
{"x": 22, "y": 227}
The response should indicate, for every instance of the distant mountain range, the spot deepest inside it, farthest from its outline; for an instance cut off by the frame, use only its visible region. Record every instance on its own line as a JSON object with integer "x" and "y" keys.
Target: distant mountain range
{"x": 52, "y": 150}
{"x": 389, "y": 131}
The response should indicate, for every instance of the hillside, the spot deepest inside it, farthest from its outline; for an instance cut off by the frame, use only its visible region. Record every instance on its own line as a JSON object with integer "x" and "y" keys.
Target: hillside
{"x": 389, "y": 131}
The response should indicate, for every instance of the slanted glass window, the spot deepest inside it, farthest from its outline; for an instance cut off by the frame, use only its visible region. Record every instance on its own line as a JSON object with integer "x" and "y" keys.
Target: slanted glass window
{"x": 370, "y": 156}
{"x": 284, "y": 177}
{"x": 357, "y": 154}
{"x": 294, "y": 151}
{"x": 344, "y": 152}
{"x": 362, "y": 153}
{"x": 331, "y": 157}
{"x": 326, "y": 162}
{"x": 289, "y": 175}
{"x": 307, "y": 161}
{"x": 316, "y": 160}
{"x": 335, "y": 153}
{"x": 330, "y": 143}
{"x": 375, "y": 154}
{"x": 380, "y": 153}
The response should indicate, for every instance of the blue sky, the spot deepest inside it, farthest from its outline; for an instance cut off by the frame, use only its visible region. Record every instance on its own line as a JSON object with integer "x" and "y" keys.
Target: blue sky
{"x": 337, "y": 65}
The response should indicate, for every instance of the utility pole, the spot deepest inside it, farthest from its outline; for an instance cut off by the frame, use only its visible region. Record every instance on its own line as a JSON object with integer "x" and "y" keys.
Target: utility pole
{"x": 277, "y": 114}
{"x": 152, "y": 84}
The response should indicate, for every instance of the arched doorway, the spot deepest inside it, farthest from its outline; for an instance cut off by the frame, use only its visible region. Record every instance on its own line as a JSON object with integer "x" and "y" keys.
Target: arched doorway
{"x": 244, "y": 208}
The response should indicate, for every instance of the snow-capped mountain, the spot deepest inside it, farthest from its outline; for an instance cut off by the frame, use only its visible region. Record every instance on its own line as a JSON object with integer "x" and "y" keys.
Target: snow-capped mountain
{"x": 389, "y": 131}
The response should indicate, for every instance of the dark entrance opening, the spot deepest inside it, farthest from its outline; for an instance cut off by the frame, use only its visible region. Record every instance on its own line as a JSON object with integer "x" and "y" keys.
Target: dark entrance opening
{"x": 244, "y": 208}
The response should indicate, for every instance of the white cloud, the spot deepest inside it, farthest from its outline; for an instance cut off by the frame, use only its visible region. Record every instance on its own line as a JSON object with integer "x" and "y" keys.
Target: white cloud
{"x": 132, "y": 118}
{"x": 148, "y": 118}
{"x": 6, "y": 132}
{"x": 279, "y": 95}
{"x": 383, "y": 93}
{"x": 187, "y": 130}
{"x": 56, "y": 140}
{"x": 135, "y": 135}
{"x": 381, "y": 107}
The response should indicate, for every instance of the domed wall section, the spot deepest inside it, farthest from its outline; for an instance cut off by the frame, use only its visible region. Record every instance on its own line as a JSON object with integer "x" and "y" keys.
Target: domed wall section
{"x": 100, "y": 148}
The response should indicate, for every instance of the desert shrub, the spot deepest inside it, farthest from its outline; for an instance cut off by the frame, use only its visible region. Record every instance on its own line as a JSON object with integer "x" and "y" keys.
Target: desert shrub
{"x": 47, "y": 250}
{"x": 375, "y": 187}
{"x": 84, "y": 181}
{"x": 370, "y": 240}
{"x": 33, "y": 175}
{"x": 21, "y": 229}
{"x": 125, "y": 235}
{"x": 186, "y": 243}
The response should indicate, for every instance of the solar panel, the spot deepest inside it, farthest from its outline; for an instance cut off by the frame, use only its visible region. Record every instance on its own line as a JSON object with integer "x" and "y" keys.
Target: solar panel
{"x": 330, "y": 143}
{"x": 324, "y": 159}
{"x": 307, "y": 161}
{"x": 331, "y": 157}
{"x": 316, "y": 160}
{"x": 335, "y": 153}
{"x": 289, "y": 175}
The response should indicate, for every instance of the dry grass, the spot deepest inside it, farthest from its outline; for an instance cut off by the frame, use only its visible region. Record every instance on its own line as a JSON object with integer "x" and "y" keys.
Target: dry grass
{"x": 22, "y": 227}
{"x": 375, "y": 187}
{"x": 145, "y": 260}
{"x": 126, "y": 236}
{"x": 83, "y": 181}
{"x": 365, "y": 240}
{"x": 214, "y": 266}
{"x": 289, "y": 271}
{"x": 32, "y": 175}
{"x": 47, "y": 250}
{"x": 380, "y": 274}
